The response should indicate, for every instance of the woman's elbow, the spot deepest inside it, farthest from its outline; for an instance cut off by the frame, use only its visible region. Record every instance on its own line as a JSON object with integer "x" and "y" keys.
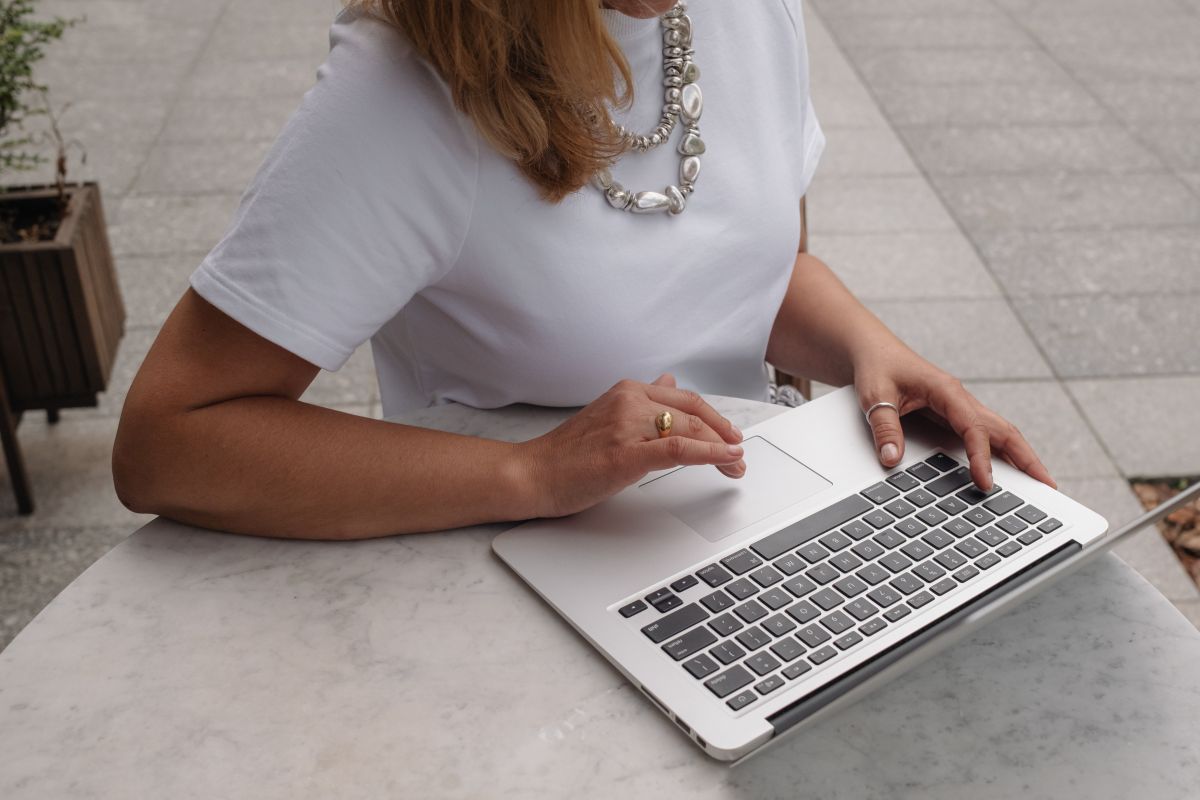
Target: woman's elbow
{"x": 134, "y": 454}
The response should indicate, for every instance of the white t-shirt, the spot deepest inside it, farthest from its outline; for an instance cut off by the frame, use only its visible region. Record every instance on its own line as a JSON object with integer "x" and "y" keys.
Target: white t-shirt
{"x": 380, "y": 214}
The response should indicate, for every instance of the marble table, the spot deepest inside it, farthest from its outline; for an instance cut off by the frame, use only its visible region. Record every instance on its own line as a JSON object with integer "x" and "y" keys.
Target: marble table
{"x": 193, "y": 664}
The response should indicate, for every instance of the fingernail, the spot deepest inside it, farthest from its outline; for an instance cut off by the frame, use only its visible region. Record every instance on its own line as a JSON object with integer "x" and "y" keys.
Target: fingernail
{"x": 735, "y": 450}
{"x": 736, "y": 431}
{"x": 889, "y": 452}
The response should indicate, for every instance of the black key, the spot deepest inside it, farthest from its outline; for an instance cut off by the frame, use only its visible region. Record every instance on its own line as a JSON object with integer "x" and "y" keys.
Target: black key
{"x": 837, "y": 622}
{"x": 700, "y": 666}
{"x": 929, "y": 571}
{"x": 750, "y": 611}
{"x": 943, "y": 586}
{"x": 823, "y": 574}
{"x": 873, "y": 627}
{"x": 714, "y": 575}
{"x": 857, "y": 530}
{"x": 690, "y": 643}
{"x": 903, "y": 481}
{"x": 899, "y": 508}
{"x": 899, "y": 612}
{"x": 827, "y": 599}
{"x": 1008, "y": 548}
{"x": 742, "y": 588}
{"x": 775, "y": 599}
{"x": 918, "y": 600}
{"x": 787, "y": 648}
{"x": 1031, "y": 514}
{"x": 873, "y": 574}
{"x": 675, "y": 623}
{"x": 848, "y": 641}
{"x": 969, "y": 548}
{"x": 896, "y": 562}
{"x": 919, "y": 498}
{"x": 789, "y": 564}
{"x": 1049, "y": 525}
{"x": 973, "y": 495}
{"x": 922, "y": 472}
{"x": 1029, "y": 537}
{"x": 753, "y": 638}
{"x": 717, "y": 601}
{"x": 936, "y": 539}
{"x": 796, "y": 670}
{"x": 769, "y": 685}
{"x": 951, "y": 481}
{"x": 741, "y": 699}
{"x": 861, "y": 609}
{"x": 804, "y": 611}
{"x": 686, "y": 582}
{"x": 663, "y": 600}
{"x": 846, "y": 562}
{"x": 911, "y": 527}
{"x": 822, "y": 655}
{"x": 727, "y": 652}
{"x": 779, "y": 625}
{"x": 725, "y": 624}
{"x": 943, "y": 462}
{"x": 991, "y": 536}
{"x": 1011, "y": 525}
{"x": 766, "y": 576}
{"x": 931, "y": 517}
{"x": 762, "y": 663}
{"x": 988, "y": 561}
{"x": 879, "y": 519}
{"x": 906, "y": 583}
{"x": 850, "y": 586}
{"x": 813, "y": 552}
{"x": 952, "y": 506}
{"x": 884, "y": 596}
{"x": 916, "y": 550}
{"x": 880, "y": 493}
{"x": 958, "y": 527}
{"x": 965, "y": 574}
{"x": 836, "y": 541}
{"x": 636, "y": 607}
{"x": 742, "y": 562}
{"x": 812, "y": 635}
{"x": 868, "y": 550}
{"x": 979, "y": 517}
{"x": 812, "y": 526}
{"x": 952, "y": 560}
{"x": 1003, "y": 503}
{"x": 889, "y": 538}
{"x": 729, "y": 681}
{"x": 799, "y": 585}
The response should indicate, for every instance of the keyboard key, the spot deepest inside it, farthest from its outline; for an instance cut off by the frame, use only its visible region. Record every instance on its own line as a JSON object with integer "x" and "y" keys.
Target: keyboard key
{"x": 789, "y": 564}
{"x": 951, "y": 481}
{"x": 873, "y": 574}
{"x": 836, "y": 541}
{"x": 929, "y": 571}
{"x": 813, "y": 552}
{"x": 822, "y": 655}
{"x": 827, "y": 599}
{"x": 823, "y": 574}
{"x": 725, "y": 624}
{"x": 741, "y": 699}
{"x": 911, "y": 527}
{"x": 766, "y": 576}
{"x": 689, "y": 644}
{"x": 846, "y": 562}
{"x": 873, "y": 627}
{"x": 861, "y": 609}
{"x": 750, "y": 611}
{"x": 700, "y": 666}
{"x": 1003, "y": 503}
{"x": 850, "y": 586}
{"x": 896, "y": 562}
{"x": 1029, "y": 537}
{"x": 837, "y": 622}
{"x": 899, "y": 508}
{"x": 779, "y": 625}
{"x": 990, "y": 536}
{"x": 774, "y": 599}
{"x": 969, "y": 548}
{"x": 753, "y": 638}
{"x": 812, "y": 526}
{"x": 727, "y": 652}
{"x": 880, "y": 493}
{"x": 741, "y": 562}
{"x": 922, "y": 472}
{"x": 867, "y": 550}
{"x": 916, "y": 550}
{"x": 889, "y": 538}
{"x": 787, "y": 648}
{"x": 988, "y": 561}
{"x": 952, "y": 560}
{"x": 729, "y": 681}
{"x": 965, "y": 574}
{"x": 813, "y": 635}
{"x": 903, "y": 481}
{"x": 932, "y": 516}
{"x": 943, "y": 586}
{"x": 716, "y": 601}
{"x": 1011, "y": 525}
{"x": 899, "y": 612}
{"x": 848, "y": 641}
{"x": 942, "y": 462}
{"x": 769, "y": 685}
{"x": 742, "y": 588}
{"x": 804, "y": 611}
{"x": 714, "y": 575}
{"x": 684, "y": 583}
{"x": 906, "y": 583}
{"x": 796, "y": 670}
{"x": 919, "y": 498}
{"x": 878, "y": 519}
{"x": 920, "y": 599}
{"x": 884, "y": 596}
{"x": 958, "y": 528}
{"x": 663, "y": 600}
{"x": 636, "y": 607}
{"x": 799, "y": 585}
{"x": 952, "y": 506}
{"x": 937, "y": 539}
{"x": 973, "y": 495}
{"x": 762, "y": 663}
{"x": 1031, "y": 514}
{"x": 675, "y": 623}
{"x": 1008, "y": 548}
{"x": 857, "y": 530}
{"x": 1049, "y": 525}
{"x": 979, "y": 517}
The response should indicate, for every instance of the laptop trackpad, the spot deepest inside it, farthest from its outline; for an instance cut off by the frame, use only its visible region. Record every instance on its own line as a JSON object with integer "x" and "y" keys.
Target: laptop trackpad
{"x": 716, "y": 506}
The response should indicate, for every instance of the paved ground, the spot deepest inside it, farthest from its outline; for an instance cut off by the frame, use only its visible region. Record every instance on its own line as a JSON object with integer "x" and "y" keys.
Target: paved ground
{"x": 1013, "y": 186}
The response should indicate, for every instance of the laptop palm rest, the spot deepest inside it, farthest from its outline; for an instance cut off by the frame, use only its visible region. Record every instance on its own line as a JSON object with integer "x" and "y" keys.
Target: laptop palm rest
{"x": 716, "y": 506}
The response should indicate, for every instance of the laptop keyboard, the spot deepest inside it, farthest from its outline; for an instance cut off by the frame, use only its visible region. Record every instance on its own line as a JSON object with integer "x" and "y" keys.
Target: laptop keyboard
{"x": 815, "y": 590}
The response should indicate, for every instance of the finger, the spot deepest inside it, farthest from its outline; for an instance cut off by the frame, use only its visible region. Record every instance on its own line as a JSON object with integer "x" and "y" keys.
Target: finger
{"x": 964, "y": 415}
{"x": 1016, "y": 450}
{"x": 692, "y": 427}
{"x": 666, "y": 379}
{"x": 692, "y": 403}
{"x": 889, "y": 436}
{"x": 675, "y": 451}
{"x": 737, "y": 470}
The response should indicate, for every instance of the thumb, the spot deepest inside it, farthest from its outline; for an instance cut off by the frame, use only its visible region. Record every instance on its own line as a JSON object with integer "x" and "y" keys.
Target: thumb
{"x": 889, "y": 436}
{"x": 666, "y": 379}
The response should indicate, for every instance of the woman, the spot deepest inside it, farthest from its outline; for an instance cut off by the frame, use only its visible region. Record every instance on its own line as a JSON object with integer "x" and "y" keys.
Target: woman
{"x": 453, "y": 190}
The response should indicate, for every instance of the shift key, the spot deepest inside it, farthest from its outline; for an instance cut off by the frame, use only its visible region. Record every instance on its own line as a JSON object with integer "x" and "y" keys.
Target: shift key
{"x": 675, "y": 623}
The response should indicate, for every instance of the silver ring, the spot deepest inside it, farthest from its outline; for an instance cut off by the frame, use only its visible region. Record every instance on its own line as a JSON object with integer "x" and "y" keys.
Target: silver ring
{"x": 872, "y": 409}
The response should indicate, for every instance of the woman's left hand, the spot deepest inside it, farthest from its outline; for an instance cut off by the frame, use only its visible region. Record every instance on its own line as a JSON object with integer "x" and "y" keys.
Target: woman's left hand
{"x": 912, "y": 383}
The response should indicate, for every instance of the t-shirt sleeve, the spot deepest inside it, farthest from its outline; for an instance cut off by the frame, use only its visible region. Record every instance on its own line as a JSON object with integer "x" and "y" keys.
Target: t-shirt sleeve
{"x": 363, "y": 200}
{"x": 812, "y": 137}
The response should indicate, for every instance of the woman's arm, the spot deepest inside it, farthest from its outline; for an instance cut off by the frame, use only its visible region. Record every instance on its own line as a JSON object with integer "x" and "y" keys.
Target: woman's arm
{"x": 213, "y": 434}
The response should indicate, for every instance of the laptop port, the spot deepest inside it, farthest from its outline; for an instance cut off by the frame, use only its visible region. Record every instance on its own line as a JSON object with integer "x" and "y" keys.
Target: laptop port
{"x": 683, "y": 725}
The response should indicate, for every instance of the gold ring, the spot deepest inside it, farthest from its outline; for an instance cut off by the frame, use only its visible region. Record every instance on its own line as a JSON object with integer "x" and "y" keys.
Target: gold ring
{"x": 663, "y": 422}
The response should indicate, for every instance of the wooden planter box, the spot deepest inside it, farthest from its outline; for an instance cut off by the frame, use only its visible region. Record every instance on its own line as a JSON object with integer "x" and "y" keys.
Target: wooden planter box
{"x": 61, "y": 317}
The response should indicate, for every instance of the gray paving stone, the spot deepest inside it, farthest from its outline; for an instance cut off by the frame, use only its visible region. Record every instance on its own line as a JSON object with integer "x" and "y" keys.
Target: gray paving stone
{"x": 201, "y": 167}
{"x": 1177, "y": 142}
{"x": 1133, "y": 25}
{"x": 1032, "y": 9}
{"x": 865, "y": 152}
{"x": 113, "y": 164}
{"x": 1049, "y": 421}
{"x": 1115, "y": 261}
{"x": 828, "y": 9}
{"x": 1102, "y": 335}
{"x": 152, "y": 285}
{"x": 988, "y": 30}
{"x": 1192, "y": 179}
{"x": 69, "y": 82}
{"x": 98, "y": 123}
{"x": 270, "y": 13}
{"x": 1155, "y": 100}
{"x": 846, "y": 106}
{"x": 1179, "y": 61}
{"x": 971, "y": 339}
{"x": 895, "y": 266}
{"x": 1043, "y": 102}
{"x": 228, "y": 119}
{"x": 304, "y": 39}
{"x": 1148, "y": 424}
{"x": 1028, "y": 149}
{"x": 218, "y": 78}
{"x": 1190, "y": 609}
{"x": 164, "y": 224}
{"x": 1048, "y": 202}
{"x": 875, "y": 205}
{"x": 945, "y": 67}
{"x": 142, "y": 40}
{"x": 132, "y": 13}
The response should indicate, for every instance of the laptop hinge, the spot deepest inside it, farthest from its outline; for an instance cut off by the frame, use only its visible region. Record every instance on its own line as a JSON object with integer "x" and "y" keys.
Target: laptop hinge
{"x": 808, "y": 705}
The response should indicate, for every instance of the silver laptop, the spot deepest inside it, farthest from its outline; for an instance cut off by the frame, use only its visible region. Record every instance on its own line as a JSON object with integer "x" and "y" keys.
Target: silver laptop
{"x": 747, "y": 609}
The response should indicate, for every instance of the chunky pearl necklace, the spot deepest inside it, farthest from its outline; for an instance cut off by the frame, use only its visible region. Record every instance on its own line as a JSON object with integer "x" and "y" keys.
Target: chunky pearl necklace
{"x": 681, "y": 100}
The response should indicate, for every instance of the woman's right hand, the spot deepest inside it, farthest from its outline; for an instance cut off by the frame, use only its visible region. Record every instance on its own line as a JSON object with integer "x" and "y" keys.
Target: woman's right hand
{"x": 613, "y": 442}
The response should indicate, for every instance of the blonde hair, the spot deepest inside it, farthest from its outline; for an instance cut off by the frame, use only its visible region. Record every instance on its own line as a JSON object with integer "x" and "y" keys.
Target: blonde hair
{"x": 535, "y": 76}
